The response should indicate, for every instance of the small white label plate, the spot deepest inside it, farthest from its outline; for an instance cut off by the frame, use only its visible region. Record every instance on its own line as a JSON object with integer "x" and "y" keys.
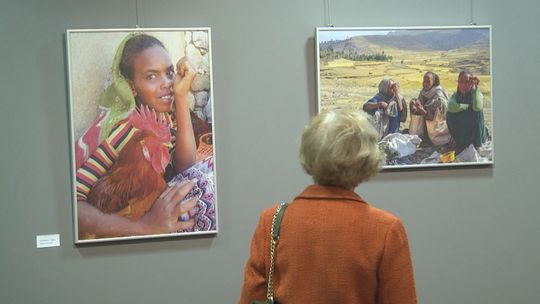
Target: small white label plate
{"x": 47, "y": 240}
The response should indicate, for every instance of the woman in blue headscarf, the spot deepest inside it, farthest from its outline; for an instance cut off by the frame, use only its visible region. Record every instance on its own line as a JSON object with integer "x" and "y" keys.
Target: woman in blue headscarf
{"x": 388, "y": 108}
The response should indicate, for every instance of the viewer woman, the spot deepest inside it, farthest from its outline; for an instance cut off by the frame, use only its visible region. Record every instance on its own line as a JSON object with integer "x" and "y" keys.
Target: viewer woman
{"x": 465, "y": 117}
{"x": 428, "y": 112}
{"x": 334, "y": 247}
{"x": 388, "y": 108}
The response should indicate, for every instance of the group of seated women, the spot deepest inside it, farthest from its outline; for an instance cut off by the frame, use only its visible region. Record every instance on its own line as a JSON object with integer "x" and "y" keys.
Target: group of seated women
{"x": 458, "y": 120}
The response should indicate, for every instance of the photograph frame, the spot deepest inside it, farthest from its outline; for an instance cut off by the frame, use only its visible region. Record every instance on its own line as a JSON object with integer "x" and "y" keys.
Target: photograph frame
{"x": 92, "y": 55}
{"x": 345, "y": 55}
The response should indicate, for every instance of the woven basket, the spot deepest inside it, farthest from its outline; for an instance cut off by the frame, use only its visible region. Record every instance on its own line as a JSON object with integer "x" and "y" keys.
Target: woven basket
{"x": 205, "y": 147}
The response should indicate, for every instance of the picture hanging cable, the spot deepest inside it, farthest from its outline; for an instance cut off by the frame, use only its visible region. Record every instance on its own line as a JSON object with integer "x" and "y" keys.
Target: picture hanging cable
{"x": 137, "y": 14}
{"x": 472, "y": 13}
{"x": 327, "y": 14}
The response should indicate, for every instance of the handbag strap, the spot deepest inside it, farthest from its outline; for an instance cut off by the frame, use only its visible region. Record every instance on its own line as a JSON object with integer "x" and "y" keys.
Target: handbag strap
{"x": 274, "y": 237}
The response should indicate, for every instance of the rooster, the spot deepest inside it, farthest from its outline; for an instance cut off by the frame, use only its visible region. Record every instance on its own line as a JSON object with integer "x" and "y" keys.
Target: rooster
{"x": 134, "y": 182}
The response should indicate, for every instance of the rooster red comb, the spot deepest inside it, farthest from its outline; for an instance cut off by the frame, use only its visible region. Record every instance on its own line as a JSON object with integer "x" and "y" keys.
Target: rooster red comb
{"x": 147, "y": 119}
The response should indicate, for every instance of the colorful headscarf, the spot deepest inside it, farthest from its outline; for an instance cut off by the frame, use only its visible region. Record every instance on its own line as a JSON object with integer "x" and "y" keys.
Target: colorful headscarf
{"x": 116, "y": 103}
{"x": 117, "y": 98}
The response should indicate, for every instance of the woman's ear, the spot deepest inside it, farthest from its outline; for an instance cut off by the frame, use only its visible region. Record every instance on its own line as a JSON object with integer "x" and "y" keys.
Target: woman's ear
{"x": 132, "y": 86}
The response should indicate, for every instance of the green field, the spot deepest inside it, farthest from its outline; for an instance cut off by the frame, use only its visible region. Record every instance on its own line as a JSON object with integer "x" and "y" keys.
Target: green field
{"x": 348, "y": 84}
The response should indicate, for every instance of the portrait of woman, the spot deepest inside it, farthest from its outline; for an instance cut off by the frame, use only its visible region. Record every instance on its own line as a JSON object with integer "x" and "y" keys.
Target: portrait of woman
{"x": 141, "y": 113}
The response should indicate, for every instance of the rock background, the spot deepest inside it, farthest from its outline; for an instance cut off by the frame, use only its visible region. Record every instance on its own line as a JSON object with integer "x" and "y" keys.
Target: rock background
{"x": 197, "y": 50}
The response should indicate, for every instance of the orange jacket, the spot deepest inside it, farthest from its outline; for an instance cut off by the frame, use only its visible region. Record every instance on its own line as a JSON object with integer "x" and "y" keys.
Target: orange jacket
{"x": 333, "y": 248}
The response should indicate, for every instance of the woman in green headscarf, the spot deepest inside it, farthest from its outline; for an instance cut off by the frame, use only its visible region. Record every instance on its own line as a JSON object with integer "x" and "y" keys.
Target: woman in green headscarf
{"x": 118, "y": 97}
{"x": 116, "y": 102}
{"x": 144, "y": 76}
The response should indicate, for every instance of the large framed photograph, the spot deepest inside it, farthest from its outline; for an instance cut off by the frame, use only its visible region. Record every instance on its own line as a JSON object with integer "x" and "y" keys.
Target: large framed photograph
{"x": 141, "y": 117}
{"x": 427, "y": 90}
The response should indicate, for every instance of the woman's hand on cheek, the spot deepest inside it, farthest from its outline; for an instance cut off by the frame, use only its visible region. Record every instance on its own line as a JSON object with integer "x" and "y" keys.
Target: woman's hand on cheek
{"x": 184, "y": 77}
{"x": 475, "y": 81}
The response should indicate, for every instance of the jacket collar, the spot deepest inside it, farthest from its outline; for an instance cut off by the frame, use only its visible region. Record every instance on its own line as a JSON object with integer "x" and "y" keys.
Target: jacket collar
{"x": 329, "y": 192}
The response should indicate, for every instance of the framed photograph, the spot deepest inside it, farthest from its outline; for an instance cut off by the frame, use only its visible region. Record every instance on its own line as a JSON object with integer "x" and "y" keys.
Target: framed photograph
{"x": 141, "y": 117}
{"x": 427, "y": 90}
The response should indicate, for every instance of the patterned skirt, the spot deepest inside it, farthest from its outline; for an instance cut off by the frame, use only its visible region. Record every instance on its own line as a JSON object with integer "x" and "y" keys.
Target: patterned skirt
{"x": 204, "y": 212}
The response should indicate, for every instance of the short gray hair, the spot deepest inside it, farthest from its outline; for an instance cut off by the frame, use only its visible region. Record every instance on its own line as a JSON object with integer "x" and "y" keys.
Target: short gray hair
{"x": 339, "y": 148}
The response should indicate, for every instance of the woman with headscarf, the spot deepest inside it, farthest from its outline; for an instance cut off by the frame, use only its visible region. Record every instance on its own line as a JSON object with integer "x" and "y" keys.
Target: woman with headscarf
{"x": 388, "y": 108}
{"x": 143, "y": 76}
{"x": 428, "y": 111}
{"x": 465, "y": 117}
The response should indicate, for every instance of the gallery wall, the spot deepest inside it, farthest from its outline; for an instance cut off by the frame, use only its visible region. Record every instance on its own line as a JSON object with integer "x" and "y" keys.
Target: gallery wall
{"x": 473, "y": 232}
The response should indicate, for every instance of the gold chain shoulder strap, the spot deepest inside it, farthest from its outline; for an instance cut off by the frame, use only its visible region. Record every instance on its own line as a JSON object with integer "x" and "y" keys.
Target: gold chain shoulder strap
{"x": 274, "y": 237}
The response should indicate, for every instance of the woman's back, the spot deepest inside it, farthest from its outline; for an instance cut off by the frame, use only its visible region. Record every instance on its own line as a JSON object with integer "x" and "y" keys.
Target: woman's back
{"x": 335, "y": 248}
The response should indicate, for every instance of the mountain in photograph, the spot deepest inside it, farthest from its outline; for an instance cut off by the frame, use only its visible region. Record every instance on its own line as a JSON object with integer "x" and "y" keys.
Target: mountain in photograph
{"x": 415, "y": 40}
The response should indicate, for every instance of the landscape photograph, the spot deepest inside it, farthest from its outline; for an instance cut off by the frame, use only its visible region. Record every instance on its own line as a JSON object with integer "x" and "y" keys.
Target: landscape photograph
{"x": 438, "y": 80}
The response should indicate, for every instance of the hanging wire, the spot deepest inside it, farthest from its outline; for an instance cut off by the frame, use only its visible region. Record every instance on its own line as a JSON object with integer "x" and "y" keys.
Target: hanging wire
{"x": 472, "y": 13}
{"x": 137, "y": 14}
{"x": 327, "y": 14}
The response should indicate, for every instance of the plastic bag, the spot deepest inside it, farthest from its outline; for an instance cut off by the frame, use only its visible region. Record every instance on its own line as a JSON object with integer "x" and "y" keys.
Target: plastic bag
{"x": 486, "y": 151}
{"x": 403, "y": 144}
{"x": 434, "y": 158}
{"x": 381, "y": 122}
{"x": 469, "y": 154}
